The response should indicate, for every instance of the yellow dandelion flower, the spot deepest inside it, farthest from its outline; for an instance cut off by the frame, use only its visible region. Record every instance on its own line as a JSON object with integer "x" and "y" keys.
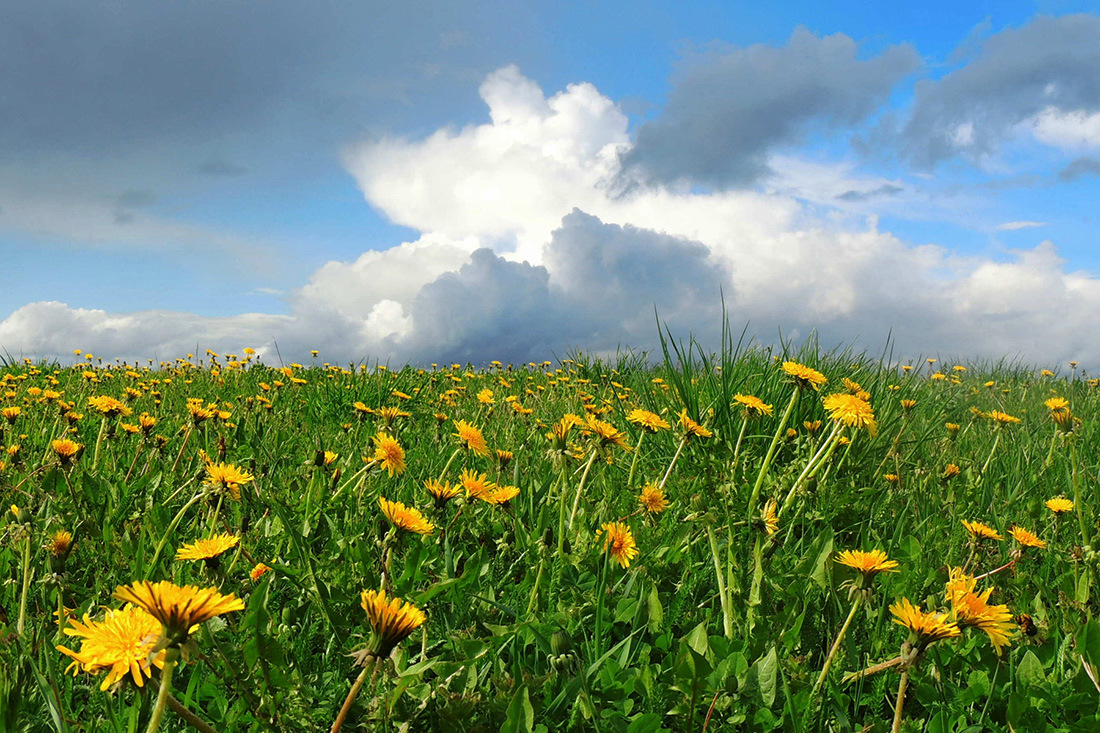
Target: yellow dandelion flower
{"x": 770, "y": 517}
{"x": 476, "y": 484}
{"x": 227, "y": 477}
{"x": 606, "y": 434}
{"x": 120, "y": 645}
{"x": 442, "y": 491}
{"x": 109, "y": 406}
{"x": 691, "y": 428}
{"x": 950, "y": 471}
{"x": 653, "y": 498}
{"x": 500, "y": 495}
{"x": 60, "y": 544}
{"x": 209, "y": 548}
{"x": 391, "y": 619}
{"x": 1026, "y": 538}
{"x": 406, "y": 518}
{"x": 970, "y": 609}
{"x": 851, "y": 411}
{"x": 869, "y": 564}
{"x": 752, "y": 406}
{"x": 258, "y": 571}
{"x": 485, "y": 397}
{"x": 1059, "y": 504}
{"x": 928, "y": 626}
{"x": 471, "y": 438}
{"x": 619, "y": 543}
{"x": 981, "y": 531}
{"x": 804, "y": 376}
{"x": 651, "y": 422}
{"x": 389, "y": 454}
{"x": 178, "y": 608}
{"x": 1002, "y": 418}
{"x": 11, "y": 414}
{"x": 66, "y": 450}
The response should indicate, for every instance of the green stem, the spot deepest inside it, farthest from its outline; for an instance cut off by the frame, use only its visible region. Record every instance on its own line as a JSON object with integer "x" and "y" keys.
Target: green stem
{"x": 196, "y": 722}
{"x": 99, "y": 442}
{"x": 634, "y": 463}
{"x": 346, "y": 707}
{"x": 757, "y": 579}
{"x": 1078, "y": 507}
{"x": 600, "y": 593}
{"x": 723, "y": 595}
{"x": 737, "y": 448}
{"x": 186, "y": 437}
{"x": 447, "y": 465}
{"x": 19, "y": 627}
{"x": 770, "y": 456}
{"x": 813, "y": 465}
{"x": 171, "y": 528}
{"x": 535, "y": 589}
{"x": 217, "y": 511}
{"x": 171, "y": 655}
{"x": 580, "y": 486}
{"x": 668, "y": 473}
{"x": 833, "y": 650}
{"x": 996, "y": 442}
{"x": 901, "y": 701}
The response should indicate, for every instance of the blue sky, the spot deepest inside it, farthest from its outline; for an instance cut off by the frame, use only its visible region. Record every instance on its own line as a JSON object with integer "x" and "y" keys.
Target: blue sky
{"x": 230, "y": 170}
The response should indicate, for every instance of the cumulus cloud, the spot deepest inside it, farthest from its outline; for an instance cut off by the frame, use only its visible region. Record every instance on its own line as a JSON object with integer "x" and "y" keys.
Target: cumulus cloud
{"x": 1041, "y": 76}
{"x": 1011, "y": 226}
{"x": 526, "y": 250}
{"x": 729, "y": 109}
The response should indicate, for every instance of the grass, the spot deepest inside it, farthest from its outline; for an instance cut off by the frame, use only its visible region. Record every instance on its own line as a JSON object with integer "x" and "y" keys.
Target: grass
{"x": 717, "y": 624}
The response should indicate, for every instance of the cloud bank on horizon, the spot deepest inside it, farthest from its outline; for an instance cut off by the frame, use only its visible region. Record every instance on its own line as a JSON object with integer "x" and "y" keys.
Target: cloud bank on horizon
{"x": 555, "y": 225}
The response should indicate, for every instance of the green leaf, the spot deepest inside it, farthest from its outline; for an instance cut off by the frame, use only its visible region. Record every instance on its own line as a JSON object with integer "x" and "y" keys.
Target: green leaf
{"x": 698, "y": 639}
{"x": 521, "y": 716}
{"x": 646, "y": 723}
{"x": 1030, "y": 671}
{"x": 767, "y": 670}
{"x": 656, "y": 610}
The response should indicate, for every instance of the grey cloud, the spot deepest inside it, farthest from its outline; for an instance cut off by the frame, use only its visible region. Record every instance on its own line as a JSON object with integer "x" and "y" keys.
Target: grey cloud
{"x": 1080, "y": 167}
{"x": 1050, "y": 62}
{"x": 886, "y": 189}
{"x": 222, "y": 168}
{"x": 727, "y": 110}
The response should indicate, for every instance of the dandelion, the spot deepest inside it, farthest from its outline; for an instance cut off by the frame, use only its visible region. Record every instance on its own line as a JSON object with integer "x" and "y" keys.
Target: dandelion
{"x": 852, "y": 411}
{"x": 178, "y": 608}
{"x": 109, "y": 406}
{"x": 11, "y": 414}
{"x": 485, "y": 397}
{"x": 691, "y": 428}
{"x": 66, "y": 450}
{"x": 653, "y": 498}
{"x": 476, "y": 484}
{"x": 388, "y": 454}
{"x": 648, "y": 421}
{"x": 606, "y": 434}
{"x": 121, "y": 644}
{"x": 1059, "y": 504}
{"x": 981, "y": 531}
{"x": 926, "y": 626}
{"x": 868, "y": 564}
{"x": 228, "y": 478}
{"x": 1002, "y": 418}
{"x": 500, "y": 495}
{"x": 391, "y": 620}
{"x": 804, "y": 377}
{"x": 950, "y": 471}
{"x": 769, "y": 517}
{"x": 208, "y": 549}
{"x": 751, "y": 406}
{"x": 406, "y": 518}
{"x": 619, "y": 543}
{"x": 471, "y": 438}
{"x": 258, "y": 571}
{"x": 60, "y": 544}
{"x": 973, "y": 610}
{"x": 1026, "y": 538}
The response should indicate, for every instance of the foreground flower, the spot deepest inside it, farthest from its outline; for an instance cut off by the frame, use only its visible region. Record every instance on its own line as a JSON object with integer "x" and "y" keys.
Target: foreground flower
{"x": 606, "y": 433}
{"x": 770, "y": 517}
{"x": 1059, "y": 504}
{"x": 972, "y": 610}
{"x": 648, "y": 421}
{"x": 109, "y": 406}
{"x": 927, "y": 626}
{"x": 60, "y": 544}
{"x": 227, "y": 477}
{"x": 391, "y": 619}
{"x": 1026, "y": 538}
{"x": 851, "y": 411}
{"x": 389, "y": 454}
{"x": 619, "y": 543}
{"x": 406, "y": 518}
{"x": 66, "y": 450}
{"x": 476, "y": 484}
{"x": 442, "y": 491}
{"x": 981, "y": 531}
{"x": 500, "y": 495}
{"x": 869, "y": 564}
{"x": 178, "y": 608}
{"x": 209, "y": 548}
{"x": 120, "y": 644}
{"x": 804, "y": 377}
{"x": 471, "y": 438}
{"x": 752, "y": 406}
{"x": 653, "y": 498}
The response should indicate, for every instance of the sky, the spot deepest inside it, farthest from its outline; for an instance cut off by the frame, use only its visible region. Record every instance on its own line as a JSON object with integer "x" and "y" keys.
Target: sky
{"x": 467, "y": 181}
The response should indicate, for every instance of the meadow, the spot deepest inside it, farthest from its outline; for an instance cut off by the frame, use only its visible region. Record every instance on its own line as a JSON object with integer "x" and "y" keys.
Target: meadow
{"x": 754, "y": 540}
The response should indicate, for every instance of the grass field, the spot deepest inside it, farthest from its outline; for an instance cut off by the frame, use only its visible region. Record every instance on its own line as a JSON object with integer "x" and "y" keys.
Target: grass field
{"x": 694, "y": 549}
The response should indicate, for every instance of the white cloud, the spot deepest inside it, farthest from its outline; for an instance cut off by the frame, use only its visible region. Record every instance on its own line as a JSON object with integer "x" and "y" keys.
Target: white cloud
{"x": 1011, "y": 226}
{"x": 526, "y": 250}
{"x": 1066, "y": 129}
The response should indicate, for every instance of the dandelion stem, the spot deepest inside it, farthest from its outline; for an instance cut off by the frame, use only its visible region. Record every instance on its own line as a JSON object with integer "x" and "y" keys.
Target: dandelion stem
{"x": 99, "y": 442}
{"x": 171, "y": 528}
{"x": 183, "y": 447}
{"x": 634, "y": 463}
{"x": 901, "y": 701}
{"x": 996, "y": 442}
{"x": 21, "y": 625}
{"x": 814, "y": 464}
{"x": 447, "y": 465}
{"x": 836, "y": 645}
{"x": 740, "y": 437}
{"x": 195, "y": 721}
{"x": 723, "y": 594}
{"x": 580, "y": 486}
{"x": 171, "y": 654}
{"x": 346, "y": 707}
{"x": 770, "y": 456}
{"x": 668, "y": 473}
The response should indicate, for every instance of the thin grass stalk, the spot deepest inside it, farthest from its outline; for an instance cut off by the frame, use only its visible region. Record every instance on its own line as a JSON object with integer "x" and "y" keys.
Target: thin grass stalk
{"x": 675, "y": 457}
{"x": 195, "y": 721}
{"x": 580, "y": 486}
{"x": 833, "y": 650}
{"x": 99, "y": 442}
{"x": 813, "y": 465}
{"x": 634, "y": 463}
{"x": 171, "y": 528}
{"x": 22, "y": 623}
{"x": 723, "y": 593}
